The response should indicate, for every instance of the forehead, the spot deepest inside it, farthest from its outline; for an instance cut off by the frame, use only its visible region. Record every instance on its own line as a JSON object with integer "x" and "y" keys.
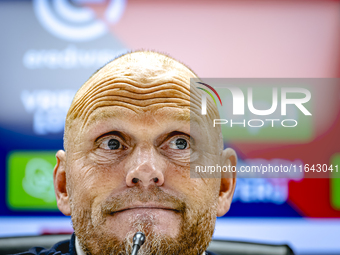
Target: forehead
{"x": 148, "y": 114}
{"x": 133, "y": 85}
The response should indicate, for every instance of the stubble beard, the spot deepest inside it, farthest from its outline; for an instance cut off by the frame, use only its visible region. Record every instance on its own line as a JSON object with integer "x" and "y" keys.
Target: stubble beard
{"x": 195, "y": 232}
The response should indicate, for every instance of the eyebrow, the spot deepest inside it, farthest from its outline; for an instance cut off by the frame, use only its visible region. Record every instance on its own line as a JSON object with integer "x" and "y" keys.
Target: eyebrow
{"x": 188, "y": 116}
{"x": 100, "y": 116}
{"x": 183, "y": 116}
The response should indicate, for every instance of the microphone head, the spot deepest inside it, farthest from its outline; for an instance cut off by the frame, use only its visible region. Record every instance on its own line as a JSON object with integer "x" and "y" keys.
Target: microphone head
{"x": 139, "y": 238}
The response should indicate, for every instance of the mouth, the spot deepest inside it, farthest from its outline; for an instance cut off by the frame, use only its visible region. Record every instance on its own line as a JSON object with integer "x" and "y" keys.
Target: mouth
{"x": 145, "y": 208}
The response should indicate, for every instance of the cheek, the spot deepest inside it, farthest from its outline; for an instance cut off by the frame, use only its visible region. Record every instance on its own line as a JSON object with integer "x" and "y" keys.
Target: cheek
{"x": 198, "y": 192}
{"x": 92, "y": 182}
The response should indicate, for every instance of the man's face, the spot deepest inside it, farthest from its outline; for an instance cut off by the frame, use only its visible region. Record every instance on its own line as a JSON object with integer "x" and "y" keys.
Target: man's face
{"x": 128, "y": 170}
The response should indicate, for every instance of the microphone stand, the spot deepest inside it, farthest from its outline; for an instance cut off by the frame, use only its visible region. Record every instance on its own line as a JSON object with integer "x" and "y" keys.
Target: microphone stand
{"x": 138, "y": 240}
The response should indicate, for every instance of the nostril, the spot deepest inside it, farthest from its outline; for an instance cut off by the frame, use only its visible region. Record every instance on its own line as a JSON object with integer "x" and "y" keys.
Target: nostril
{"x": 135, "y": 180}
{"x": 155, "y": 179}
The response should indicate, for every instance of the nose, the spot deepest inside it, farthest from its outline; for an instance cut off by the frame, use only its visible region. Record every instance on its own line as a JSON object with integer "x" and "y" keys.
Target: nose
{"x": 145, "y": 168}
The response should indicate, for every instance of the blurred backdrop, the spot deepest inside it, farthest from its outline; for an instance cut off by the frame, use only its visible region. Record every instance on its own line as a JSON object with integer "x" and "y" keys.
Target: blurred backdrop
{"x": 49, "y": 48}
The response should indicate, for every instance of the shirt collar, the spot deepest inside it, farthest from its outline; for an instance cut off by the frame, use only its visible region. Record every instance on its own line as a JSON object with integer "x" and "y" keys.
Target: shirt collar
{"x": 79, "y": 250}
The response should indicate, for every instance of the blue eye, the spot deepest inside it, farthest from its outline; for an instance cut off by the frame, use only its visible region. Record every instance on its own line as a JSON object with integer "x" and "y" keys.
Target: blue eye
{"x": 113, "y": 144}
{"x": 179, "y": 144}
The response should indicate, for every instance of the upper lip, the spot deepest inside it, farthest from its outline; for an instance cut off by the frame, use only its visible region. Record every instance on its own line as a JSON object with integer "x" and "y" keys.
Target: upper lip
{"x": 146, "y": 206}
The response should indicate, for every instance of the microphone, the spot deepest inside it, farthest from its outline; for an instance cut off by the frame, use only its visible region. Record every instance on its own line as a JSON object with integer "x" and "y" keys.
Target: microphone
{"x": 138, "y": 240}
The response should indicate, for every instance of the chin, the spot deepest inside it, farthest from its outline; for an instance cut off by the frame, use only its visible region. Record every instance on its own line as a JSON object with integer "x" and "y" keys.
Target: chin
{"x": 150, "y": 222}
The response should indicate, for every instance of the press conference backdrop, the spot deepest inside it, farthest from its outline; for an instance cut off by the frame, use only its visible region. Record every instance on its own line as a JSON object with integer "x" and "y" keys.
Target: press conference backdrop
{"x": 49, "y": 48}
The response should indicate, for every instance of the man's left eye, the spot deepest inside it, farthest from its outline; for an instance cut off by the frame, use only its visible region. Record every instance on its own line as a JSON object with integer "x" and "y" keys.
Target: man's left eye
{"x": 179, "y": 144}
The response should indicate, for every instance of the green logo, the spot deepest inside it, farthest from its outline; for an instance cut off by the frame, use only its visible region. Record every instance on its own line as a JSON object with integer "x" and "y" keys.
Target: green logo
{"x": 30, "y": 180}
{"x": 335, "y": 182}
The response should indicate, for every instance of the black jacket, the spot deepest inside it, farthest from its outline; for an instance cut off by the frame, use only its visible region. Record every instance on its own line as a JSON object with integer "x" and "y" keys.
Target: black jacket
{"x": 66, "y": 247}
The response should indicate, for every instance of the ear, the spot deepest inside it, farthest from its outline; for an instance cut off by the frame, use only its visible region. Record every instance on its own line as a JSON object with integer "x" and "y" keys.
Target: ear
{"x": 228, "y": 182}
{"x": 59, "y": 181}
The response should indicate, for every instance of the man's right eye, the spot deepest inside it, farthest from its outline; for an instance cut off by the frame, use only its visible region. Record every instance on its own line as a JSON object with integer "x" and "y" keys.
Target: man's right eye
{"x": 110, "y": 144}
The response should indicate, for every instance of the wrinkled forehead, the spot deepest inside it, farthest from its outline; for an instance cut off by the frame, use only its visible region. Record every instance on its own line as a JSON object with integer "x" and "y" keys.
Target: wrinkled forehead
{"x": 138, "y": 84}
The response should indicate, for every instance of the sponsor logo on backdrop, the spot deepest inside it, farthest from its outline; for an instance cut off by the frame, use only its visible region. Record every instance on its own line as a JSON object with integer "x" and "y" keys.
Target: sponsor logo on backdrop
{"x": 335, "y": 183}
{"x": 71, "y": 57}
{"x": 30, "y": 180}
{"x": 264, "y": 189}
{"x": 49, "y": 109}
{"x": 72, "y": 21}
{"x": 38, "y": 180}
